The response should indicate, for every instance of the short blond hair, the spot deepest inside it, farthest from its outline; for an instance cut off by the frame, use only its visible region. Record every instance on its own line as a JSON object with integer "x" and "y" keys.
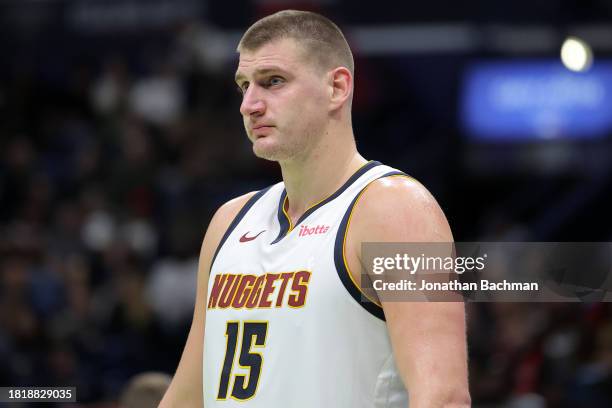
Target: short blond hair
{"x": 321, "y": 39}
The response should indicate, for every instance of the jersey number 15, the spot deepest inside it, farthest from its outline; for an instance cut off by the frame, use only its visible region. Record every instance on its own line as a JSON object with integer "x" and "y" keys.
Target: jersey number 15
{"x": 253, "y": 336}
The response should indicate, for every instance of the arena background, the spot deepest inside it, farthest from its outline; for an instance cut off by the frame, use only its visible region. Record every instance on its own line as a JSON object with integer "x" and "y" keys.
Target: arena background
{"x": 120, "y": 135}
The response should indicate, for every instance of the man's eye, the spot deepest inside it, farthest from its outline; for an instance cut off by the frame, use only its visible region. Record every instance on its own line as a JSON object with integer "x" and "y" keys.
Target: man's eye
{"x": 275, "y": 80}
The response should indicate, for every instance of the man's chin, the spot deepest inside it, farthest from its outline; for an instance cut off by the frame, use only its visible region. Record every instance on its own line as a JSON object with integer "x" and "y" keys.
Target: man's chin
{"x": 265, "y": 151}
{"x": 266, "y": 154}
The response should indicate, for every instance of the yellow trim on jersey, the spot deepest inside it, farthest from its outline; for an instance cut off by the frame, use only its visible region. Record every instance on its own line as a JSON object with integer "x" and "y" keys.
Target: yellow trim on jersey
{"x": 348, "y": 223}
{"x": 291, "y": 226}
{"x": 287, "y": 216}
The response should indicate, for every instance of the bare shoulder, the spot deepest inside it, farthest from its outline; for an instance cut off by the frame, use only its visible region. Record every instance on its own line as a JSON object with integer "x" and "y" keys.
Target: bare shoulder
{"x": 399, "y": 209}
{"x": 393, "y": 209}
{"x": 229, "y": 209}
{"x": 219, "y": 223}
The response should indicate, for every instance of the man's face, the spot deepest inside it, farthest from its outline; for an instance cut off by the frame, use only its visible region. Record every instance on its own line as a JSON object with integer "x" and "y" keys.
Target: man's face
{"x": 285, "y": 100}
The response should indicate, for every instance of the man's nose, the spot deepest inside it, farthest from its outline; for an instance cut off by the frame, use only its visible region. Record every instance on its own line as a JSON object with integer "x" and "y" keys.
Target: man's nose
{"x": 252, "y": 103}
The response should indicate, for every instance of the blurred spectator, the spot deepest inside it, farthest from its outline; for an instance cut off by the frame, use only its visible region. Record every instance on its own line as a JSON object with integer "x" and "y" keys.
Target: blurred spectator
{"x": 109, "y": 92}
{"x": 171, "y": 291}
{"x": 145, "y": 390}
{"x": 159, "y": 99}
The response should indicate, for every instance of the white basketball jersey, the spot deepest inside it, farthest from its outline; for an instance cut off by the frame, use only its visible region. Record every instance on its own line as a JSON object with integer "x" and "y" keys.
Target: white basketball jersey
{"x": 286, "y": 326}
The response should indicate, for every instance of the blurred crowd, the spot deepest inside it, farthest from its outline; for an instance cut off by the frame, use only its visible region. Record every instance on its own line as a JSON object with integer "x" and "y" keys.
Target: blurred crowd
{"x": 110, "y": 170}
{"x": 527, "y": 355}
{"x": 108, "y": 178}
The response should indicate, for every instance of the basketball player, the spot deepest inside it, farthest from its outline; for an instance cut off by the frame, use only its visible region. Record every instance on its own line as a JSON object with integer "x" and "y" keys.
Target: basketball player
{"x": 279, "y": 320}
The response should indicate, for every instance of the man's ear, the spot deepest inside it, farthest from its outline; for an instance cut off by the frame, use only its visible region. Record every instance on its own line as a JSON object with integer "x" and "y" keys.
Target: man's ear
{"x": 341, "y": 81}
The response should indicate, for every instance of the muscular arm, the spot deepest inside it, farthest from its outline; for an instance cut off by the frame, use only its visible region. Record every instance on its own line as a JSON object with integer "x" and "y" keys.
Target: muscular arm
{"x": 428, "y": 338}
{"x": 185, "y": 391}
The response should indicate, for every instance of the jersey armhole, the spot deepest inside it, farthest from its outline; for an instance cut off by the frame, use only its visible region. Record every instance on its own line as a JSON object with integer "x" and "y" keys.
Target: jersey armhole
{"x": 243, "y": 211}
{"x": 371, "y": 305}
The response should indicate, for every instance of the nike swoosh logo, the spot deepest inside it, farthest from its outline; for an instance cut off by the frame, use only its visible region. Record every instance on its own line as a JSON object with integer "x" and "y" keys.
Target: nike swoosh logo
{"x": 244, "y": 238}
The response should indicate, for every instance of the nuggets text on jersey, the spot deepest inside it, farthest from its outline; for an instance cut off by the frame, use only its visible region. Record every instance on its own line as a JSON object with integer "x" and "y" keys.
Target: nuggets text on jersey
{"x": 268, "y": 290}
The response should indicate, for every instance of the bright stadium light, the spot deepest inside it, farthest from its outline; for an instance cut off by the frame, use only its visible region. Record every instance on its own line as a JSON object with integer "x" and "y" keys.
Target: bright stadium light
{"x": 576, "y": 54}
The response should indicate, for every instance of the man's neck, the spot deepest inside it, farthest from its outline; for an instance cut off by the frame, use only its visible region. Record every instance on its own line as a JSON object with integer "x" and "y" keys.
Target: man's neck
{"x": 318, "y": 175}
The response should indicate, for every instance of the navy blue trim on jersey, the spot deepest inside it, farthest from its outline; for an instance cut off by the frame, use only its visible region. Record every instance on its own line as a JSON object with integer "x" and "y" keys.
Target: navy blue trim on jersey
{"x": 341, "y": 269}
{"x": 245, "y": 208}
{"x": 392, "y": 173}
{"x": 282, "y": 218}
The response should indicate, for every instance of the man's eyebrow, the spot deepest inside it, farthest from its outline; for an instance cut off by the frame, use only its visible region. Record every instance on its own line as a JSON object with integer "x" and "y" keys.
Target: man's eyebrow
{"x": 261, "y": 71}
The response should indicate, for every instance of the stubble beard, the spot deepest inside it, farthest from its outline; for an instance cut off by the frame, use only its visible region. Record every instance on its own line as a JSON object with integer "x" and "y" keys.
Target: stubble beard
{"x": 283, "y": 148}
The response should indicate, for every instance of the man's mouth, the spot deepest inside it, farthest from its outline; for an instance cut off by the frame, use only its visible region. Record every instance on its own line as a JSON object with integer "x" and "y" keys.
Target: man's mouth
{"x": 261, "y": 130}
